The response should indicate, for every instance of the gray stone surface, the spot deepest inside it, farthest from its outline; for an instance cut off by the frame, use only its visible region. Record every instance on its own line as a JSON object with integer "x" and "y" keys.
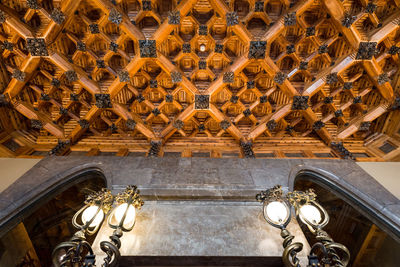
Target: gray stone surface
{"x": 201, "y": 228}
{"x": 193, "y": 179}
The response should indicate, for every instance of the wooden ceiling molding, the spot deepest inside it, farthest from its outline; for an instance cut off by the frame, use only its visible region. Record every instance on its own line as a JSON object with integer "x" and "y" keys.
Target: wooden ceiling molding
{"x": 318, "y": 78}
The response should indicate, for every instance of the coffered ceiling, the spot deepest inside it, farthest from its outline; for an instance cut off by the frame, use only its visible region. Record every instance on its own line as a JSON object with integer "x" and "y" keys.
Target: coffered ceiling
{"x": 313, "y": 78}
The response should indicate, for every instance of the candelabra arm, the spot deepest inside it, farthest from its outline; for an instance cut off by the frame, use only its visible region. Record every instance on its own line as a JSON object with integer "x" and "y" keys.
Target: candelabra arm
{"x": 77, "y": 249}
{"x": 112, "y": 249}
{"x": 289, "y": 255}
{"x": 332, "y": 248}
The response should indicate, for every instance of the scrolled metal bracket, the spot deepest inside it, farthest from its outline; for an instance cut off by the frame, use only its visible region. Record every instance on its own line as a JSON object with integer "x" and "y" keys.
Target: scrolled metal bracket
{"x": 290, "y": 251}
{"x": 112, "y": 249}
{"x": 325, "y": 252}
{"x": 77, "y": 250}
{"x": 332, "y": 249}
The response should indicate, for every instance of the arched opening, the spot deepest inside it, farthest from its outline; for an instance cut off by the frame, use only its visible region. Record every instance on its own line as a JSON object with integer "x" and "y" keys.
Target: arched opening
{"x": 47, "y": 221}
{"x": 370, "y": 239}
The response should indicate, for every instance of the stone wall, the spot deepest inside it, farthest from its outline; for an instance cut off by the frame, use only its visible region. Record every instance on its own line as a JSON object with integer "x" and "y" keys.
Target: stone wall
{"x": 193, "y": 179}
{"x": 202, "y": 228}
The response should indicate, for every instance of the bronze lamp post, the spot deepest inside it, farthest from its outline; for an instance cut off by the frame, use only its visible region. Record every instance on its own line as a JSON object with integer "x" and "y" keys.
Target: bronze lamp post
{"x": 77, "y": 251}
{"x": 277, "y": 209}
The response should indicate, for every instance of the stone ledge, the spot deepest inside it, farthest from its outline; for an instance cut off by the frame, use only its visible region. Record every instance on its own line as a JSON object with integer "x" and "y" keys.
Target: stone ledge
{"x": 191, "y": 179}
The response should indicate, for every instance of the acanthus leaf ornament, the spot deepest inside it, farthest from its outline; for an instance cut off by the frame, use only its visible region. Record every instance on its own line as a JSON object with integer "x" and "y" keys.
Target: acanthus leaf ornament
{"x": 130, "y": 124}
{"x": 178, "y": 124}
{"x": 202, "y": 102}
{"x": 103, "y": 101}
{"x": 57, "y": 16}
{"x": 247, "y": 148}
{"x": 257, "y": 49}
{"x": 271, "y": 125}
{"x": 148, "y": 48}
{"x": 300, "y": 102}
{"x": 290, "y": 19}
{"x": 174, "y": 17}
{"x": 155, "y": 147}
{"x": 225, "y": 124}
{"x": 232, "y": 19}
{"x": 115, "y": 17}
{"x": 366, "y": 50}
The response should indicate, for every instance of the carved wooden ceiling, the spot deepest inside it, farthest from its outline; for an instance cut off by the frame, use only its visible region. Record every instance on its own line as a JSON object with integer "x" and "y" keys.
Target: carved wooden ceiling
{"x": 234, "y": 78}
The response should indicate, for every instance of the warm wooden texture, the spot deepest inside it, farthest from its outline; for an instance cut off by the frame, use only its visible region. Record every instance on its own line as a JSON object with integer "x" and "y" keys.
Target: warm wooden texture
{"x": 314, "y": 49}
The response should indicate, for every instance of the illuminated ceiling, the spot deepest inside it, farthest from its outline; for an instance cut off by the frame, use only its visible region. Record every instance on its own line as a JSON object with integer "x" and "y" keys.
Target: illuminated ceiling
{"x": 233, "y": 78}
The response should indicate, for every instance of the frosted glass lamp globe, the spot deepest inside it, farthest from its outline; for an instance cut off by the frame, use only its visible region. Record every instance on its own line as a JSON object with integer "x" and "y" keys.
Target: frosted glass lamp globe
{"x": 311, "y": 214}
{"x": 129, "y": 217}
{"x": 89, "y": 213}
{"x": 277, "y": 212}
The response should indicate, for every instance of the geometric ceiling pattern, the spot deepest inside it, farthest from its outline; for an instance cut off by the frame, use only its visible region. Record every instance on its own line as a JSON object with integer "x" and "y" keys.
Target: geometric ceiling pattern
{"x": 154, "y": 72}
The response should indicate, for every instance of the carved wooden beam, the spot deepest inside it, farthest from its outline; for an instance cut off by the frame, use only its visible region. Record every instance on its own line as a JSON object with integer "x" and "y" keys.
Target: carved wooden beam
{"x": 390, "y": 25}
{"x": 342, "y": 65}
{"x": 126, "y": 115}
{"x": 289, "y": 90}
{"x": 166, "y": 27}
{"x": 124, "y": 77}
{"x": 374, "y": 71}
{"x": 219, "y": 117}
{"x": 124, "y": 23}
{"x": 28, "y": 111}
{"x": 59, "y": 18}
{"x": 28, "y": 67}
{"x": 322, "y": 132}
{"x": 184, "y": 116}
{"x": 336, "y": 9}
{"x": 12, "y": 20}
{"x": 82, "y": 78}
{"x": 7, "y": 153}
{"x": 236, "y": 67}
{"x": 238, "y": 27}
{"x": 276, "y": 116}
{"x": 84, "y": 124}
{"x": 274, "y": 71}
{"x": 274, "y": 31}
{"x": 371, "y": 115}
{"x": 170, "y": 68}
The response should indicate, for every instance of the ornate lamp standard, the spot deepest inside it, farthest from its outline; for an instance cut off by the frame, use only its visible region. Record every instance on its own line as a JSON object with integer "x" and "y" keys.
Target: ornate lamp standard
{"x": 77, "y": 251}
{"x": 277, "y": 212}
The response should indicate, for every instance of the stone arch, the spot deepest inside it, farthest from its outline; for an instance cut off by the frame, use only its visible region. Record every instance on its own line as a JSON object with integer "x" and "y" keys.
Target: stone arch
{"x": 50, "y": 185}
{"x": 354, "y": 194}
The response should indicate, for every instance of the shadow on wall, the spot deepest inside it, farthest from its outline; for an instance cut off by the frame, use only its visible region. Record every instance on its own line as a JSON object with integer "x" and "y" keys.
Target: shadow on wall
{"x": 48, "y": 222}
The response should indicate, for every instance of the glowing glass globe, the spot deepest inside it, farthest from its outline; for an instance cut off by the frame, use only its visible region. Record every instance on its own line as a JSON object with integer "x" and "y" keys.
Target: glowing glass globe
{"x": 311, "y": 213}
{"x": 277, "y": 212}
{"x": 130, "y": 214}
{"x": 89, "y": 213}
